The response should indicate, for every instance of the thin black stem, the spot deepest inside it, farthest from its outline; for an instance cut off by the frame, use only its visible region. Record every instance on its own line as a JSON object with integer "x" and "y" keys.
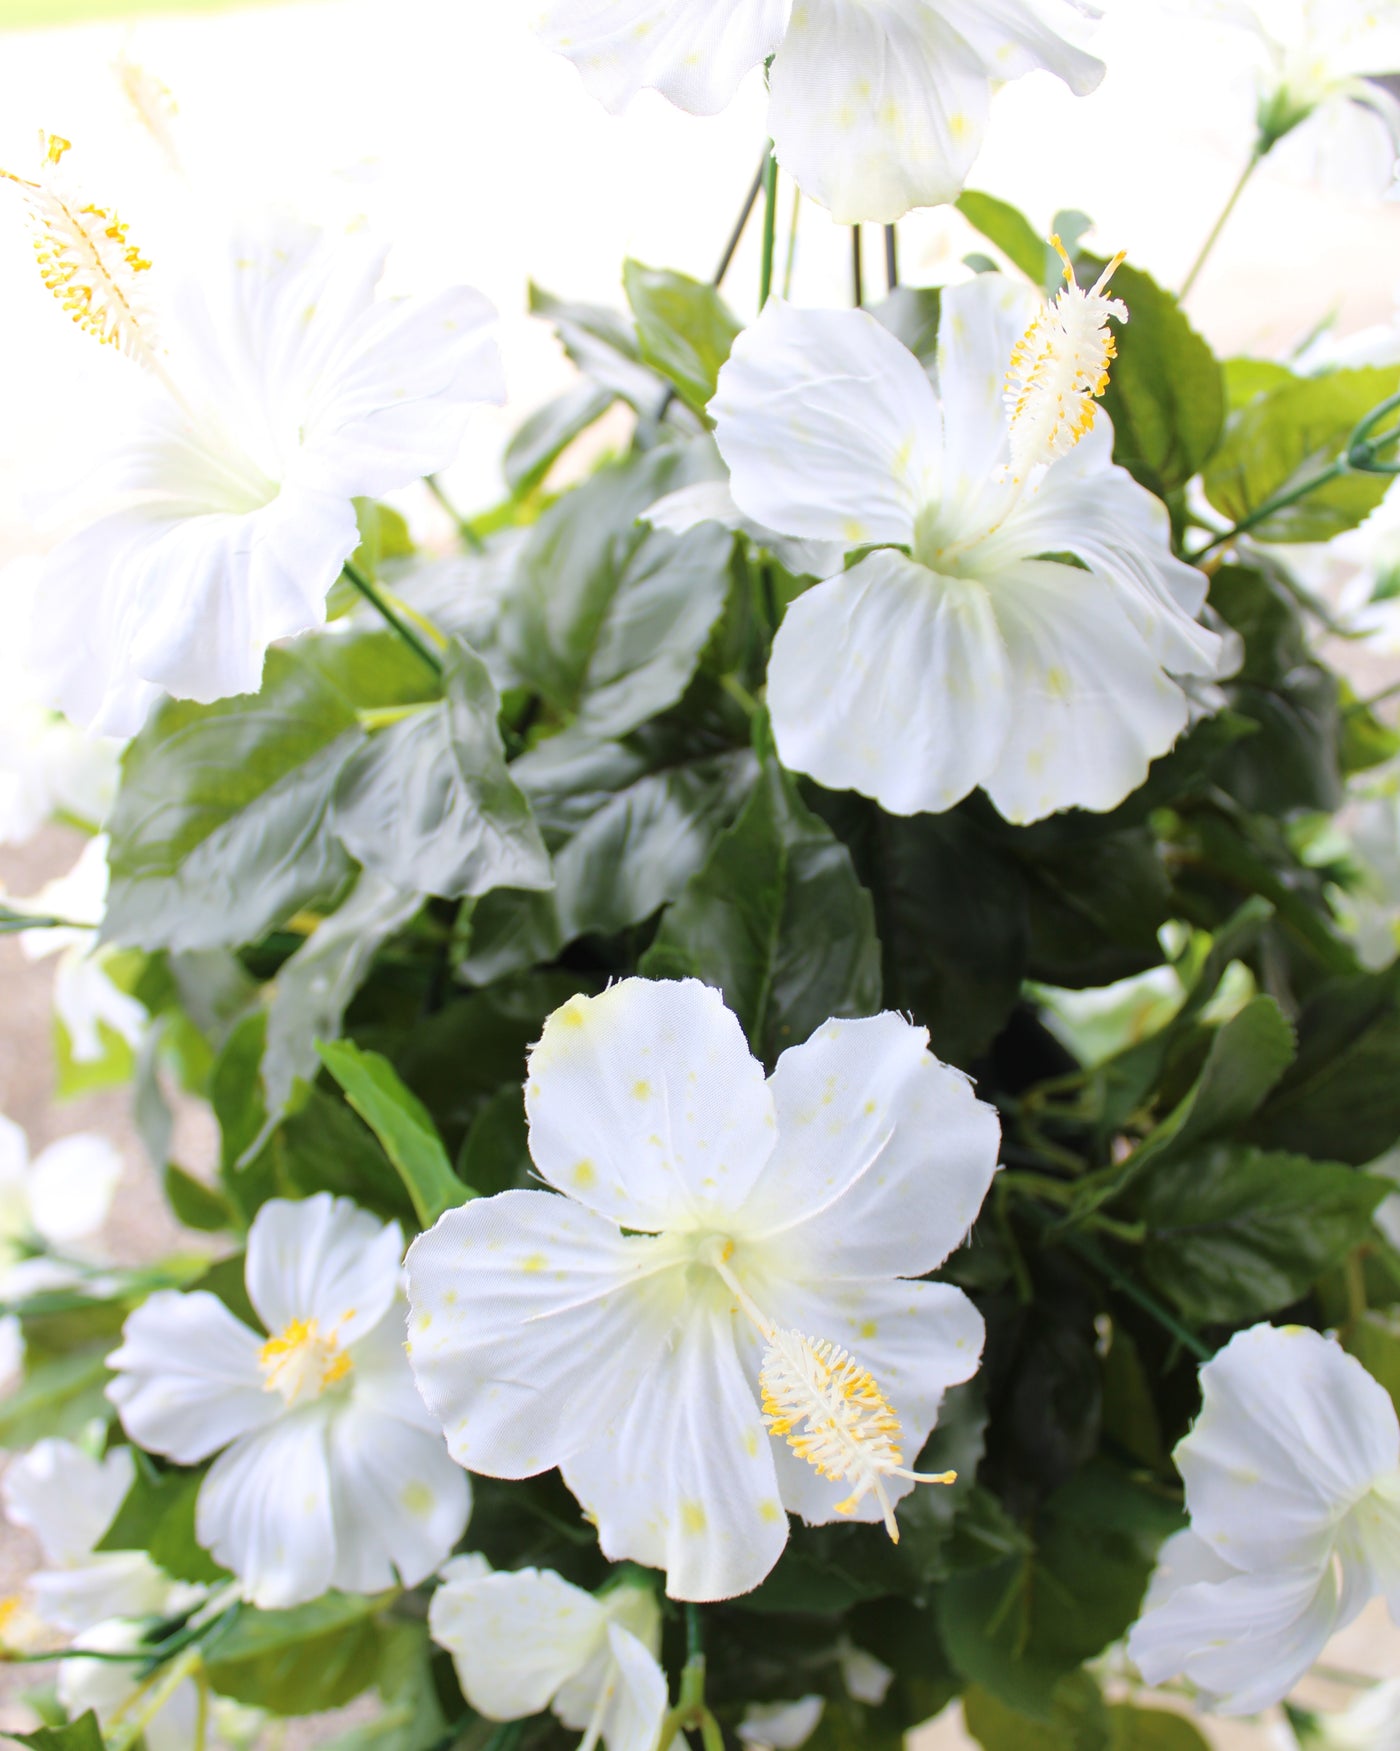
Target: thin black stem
{"x": 857, "y": 273}
{"x": 741, "y": 223}
{"x": 396, "y": 621}
{"x": 891, "y": 258}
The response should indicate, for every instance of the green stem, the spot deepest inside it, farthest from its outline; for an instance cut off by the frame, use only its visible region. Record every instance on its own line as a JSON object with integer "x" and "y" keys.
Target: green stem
{"x": 1270, "y": 507}
{"x": 505, "y": 1737}
{"x": 464, "y": 528}
{"x": 770, "y": 226}
{"x": 891, "y": 258}
{"x": 857, "y": 269}
{"x": 1129, "y": 1287}
{"x": 1255, "y": 159}
{"x": 694, "y": 1642}
{"x": 398, "y": 624}
{"x": 152, "y": 1697}
{"x": 710, "y": 1735}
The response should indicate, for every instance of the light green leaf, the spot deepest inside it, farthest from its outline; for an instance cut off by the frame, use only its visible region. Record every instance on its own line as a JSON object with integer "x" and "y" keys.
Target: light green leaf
{"x": 1234, "y": 1233}
{"x": 777, "y": 920}
{"x": 412, "y": 1717}
{"x": 1078, "y": 1720}
{"x": 1286, "y": 435}
{"x": 540, "y": 440}
{"x": 607, "y": 618}
{"x": 1014, "y": 236}
{"x": 402, "y": 1124}
{"x": 83, "y": 1735}
{"x": 603, "y": 344}
{"x": 684, "y": 327}
{"x": 60, "y": 1396}
{"x": 299, "y": 1662}
{"x": 157, "y": 1515}
{"x": 428, "y": 804}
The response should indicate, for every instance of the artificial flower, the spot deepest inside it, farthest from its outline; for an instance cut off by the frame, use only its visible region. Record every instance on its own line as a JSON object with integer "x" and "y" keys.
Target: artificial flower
{"x": 68, "y": 1499}
{"x": 781, "y": 1726}
{"x": 85, "y": 998}
{"x": 875, "y": 106}
{"x": 58, "y": 1200}
{"x": 960, "y": 652}
{"x": 331, "y": 1473}
{"x": 1292, "y": 1474}
{"x": 527, "y": 1640}
{"x": 279, "y": 388}
{"x": 672, "y": 1332}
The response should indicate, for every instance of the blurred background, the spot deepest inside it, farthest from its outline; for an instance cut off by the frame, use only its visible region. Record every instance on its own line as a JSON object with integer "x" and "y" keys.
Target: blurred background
{"x": 445, "y": 127}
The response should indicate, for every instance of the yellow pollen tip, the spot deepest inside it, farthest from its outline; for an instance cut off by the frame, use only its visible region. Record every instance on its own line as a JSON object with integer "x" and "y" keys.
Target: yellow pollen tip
{"x": 300, "y": 1364}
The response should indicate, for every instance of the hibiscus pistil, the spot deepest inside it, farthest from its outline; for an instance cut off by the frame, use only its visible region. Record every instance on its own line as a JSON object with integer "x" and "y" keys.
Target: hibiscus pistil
{"x": 300, "y": 1363}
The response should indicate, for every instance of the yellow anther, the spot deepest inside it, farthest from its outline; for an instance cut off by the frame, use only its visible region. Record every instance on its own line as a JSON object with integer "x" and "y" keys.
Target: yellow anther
{"x": 300, "y": 1363}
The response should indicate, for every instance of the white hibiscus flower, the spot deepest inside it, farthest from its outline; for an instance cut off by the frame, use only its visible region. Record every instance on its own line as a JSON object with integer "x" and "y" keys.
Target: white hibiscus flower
{"x": 723, "y": 1240}
{"x": 968, "y": 649}
{"x": 331, "y": 1472}
{"x": 527, "y": 1640}
{"x": 280, "y": 389}
{"x": 876, "y": 106}
{"x": 59, "y": 1200}
{"x": 1292, "y": 1474}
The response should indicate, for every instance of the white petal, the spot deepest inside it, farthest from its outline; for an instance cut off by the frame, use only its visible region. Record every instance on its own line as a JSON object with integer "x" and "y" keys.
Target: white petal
{"x": 1291, "y": 1431}
{"x": 264, "y": 1511}
{"x": 398, "y": 1500}
{"x": 917, "y": 1339}
{"x": 711, "y": 501}
{"x": 1093, "y": 709}
{"x": 515, "y": 1638}
{"x": 111, "y": 1584}
{"x": 86, "y": 1001}
{"x": 892, "y": 680}
{"x": 693, "y": 51}
{"x": 876, "y": 108}
{"x": 1013, "y": 38}
{"x": 639, "y": 1699}
{"x": 322, "y": 1258}
{"x": 71, "y": 1187}
{"x": 683, "y": 1480}
{"x": 106, "y": 1686}
{"x": 1245, "y": 1641}
{"x": 884, "y": 1155}
{"x": 646, "y": 1105}
{"x": 187, "y": 1380}
{"x": 533, "y": 1322}
{"x": 380, "y": 1378}
{"x": 979, "y": 324}
{"x": 781, "y": 1726}
{"x": 830, "y": 427}
{"x": 65, "y": 1497}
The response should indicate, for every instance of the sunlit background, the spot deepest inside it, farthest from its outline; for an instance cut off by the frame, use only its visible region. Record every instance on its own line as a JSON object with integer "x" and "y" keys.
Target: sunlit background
{"x": 448, "y": 130}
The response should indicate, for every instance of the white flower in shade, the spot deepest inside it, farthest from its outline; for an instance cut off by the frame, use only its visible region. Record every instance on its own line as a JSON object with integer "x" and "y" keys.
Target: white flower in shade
{"x": 875, "y": 106}
{"x": 781, "y": 1726}
{"x": 710, "y": 501}
{"x": 672, "y": 1333}
{"x": 331, "y": 1472}
{"x": 966, "y": 649}
{"x": 47, "y": 765}
{"x": 84, "y": 995}
{"x": 68, "y": 1499}
{"x": 527, "y": 1640}
{"x": 1292, "y": 1474}
{"x": 58, "y": 1200}
{"x": 279, "y": 389}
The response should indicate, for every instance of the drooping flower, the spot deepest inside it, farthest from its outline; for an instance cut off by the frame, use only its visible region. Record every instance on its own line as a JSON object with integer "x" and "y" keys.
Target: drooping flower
{"x": 672, "y": 1331}
{"x": 1021, "y": 620}
{"x": 278, "y": 388}
{"x": 331, "y": 1472}
{"x": 59, "y": 1199}
{"x": 876, "y": 106}
{"x": 527, "y": 1640}
{"x": 1292, "y": 1474}
{"x": 84, "y": 996}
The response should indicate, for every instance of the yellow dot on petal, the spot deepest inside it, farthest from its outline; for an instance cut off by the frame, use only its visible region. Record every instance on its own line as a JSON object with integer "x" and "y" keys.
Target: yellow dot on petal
{"x": 585, "y": 1175}
{"x": 770, "y": 1511}
{"x": 641, "y": 1090}
{"x": 417, "y": 1498}
{"x": 868, "y": 1328}
{"x": 535, "y": 1262}
{"x": 693, "y": 1518}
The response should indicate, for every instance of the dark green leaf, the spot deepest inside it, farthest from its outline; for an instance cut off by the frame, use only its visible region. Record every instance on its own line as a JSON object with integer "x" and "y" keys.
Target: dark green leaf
{"x": 496, "y": 1154}
{"x": 1374, "y": 1339}
{"x": 684, "y": 328}
{"x": 197, "y": 1205}
{"x": 299, "y": 1662}
{"x": 1094, "y": 919}
{"x": 540, "y": 441}
{"x": 1152, "y": 1729}
{"x": 1165, "y": 395}
{"x": 1078, "y": 1720}
{"x": 1284, "y": 437}
{"x": 83, "y": 1735}
{"x": 157, "y": 1515}
{"x": 777, "y": 920}
{"x": 412, "y": 1717}
{"x": 401, "y": 1123}
{"x": 428, "y": 804}
{"x": 1234, "y": 1233}
{"x": 608, "y": 617}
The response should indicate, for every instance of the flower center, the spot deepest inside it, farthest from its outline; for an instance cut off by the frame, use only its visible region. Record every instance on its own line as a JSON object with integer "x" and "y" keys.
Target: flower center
{"x": 300, "y": 1363}
{"x": 1059, "y": 368}
{"x": 829, "y": 1409}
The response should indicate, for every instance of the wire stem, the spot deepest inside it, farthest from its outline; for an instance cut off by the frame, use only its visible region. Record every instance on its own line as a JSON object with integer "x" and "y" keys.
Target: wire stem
{"x": 857, "y": 273}
{"x": 741, "y": 223}
{"x": 399, "y": 625}
{"x": 1255, "y": 159}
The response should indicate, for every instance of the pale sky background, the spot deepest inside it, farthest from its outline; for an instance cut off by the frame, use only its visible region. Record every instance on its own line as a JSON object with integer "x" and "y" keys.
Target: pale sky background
{"x": 478, "y": 154}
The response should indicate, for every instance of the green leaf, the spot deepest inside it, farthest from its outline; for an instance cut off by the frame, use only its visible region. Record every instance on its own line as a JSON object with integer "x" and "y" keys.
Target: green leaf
{"x": 608, "y": 617}
{"x": 83, "y": 1735}
{"x": 542, "y": 439}
{"x": 157, "y": 1515}
{"x": 1014, "y": 236}
{"x": 1247, "y": 379}
{"x": 1340, "y": 1101}
{"x": 684, "y": 327}
{"x": 299, "y": 1662}
{"x": 776, "y": 919}
{"x": 603, "y": 344}
{"x": 428, "y": 804}
{"x": 221, "y": 829}
{"x": 1152, "y": 1729}
{"x": 1166, "y": 395}
{"x": 1235, "y": 1233}
{"x": 1078, "y": 1720}
{"x": 60, "y": 1396}
{"x": 197, "y": 1205}
{"x": 1374, "y": 1339}
{"x": 412, "y": 1717}
{"x": 402, "y": 1124}
{"x": 1094, "y": 918}
{"x": 1285, "y": 436}
{"x": 496, "y": 1154}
